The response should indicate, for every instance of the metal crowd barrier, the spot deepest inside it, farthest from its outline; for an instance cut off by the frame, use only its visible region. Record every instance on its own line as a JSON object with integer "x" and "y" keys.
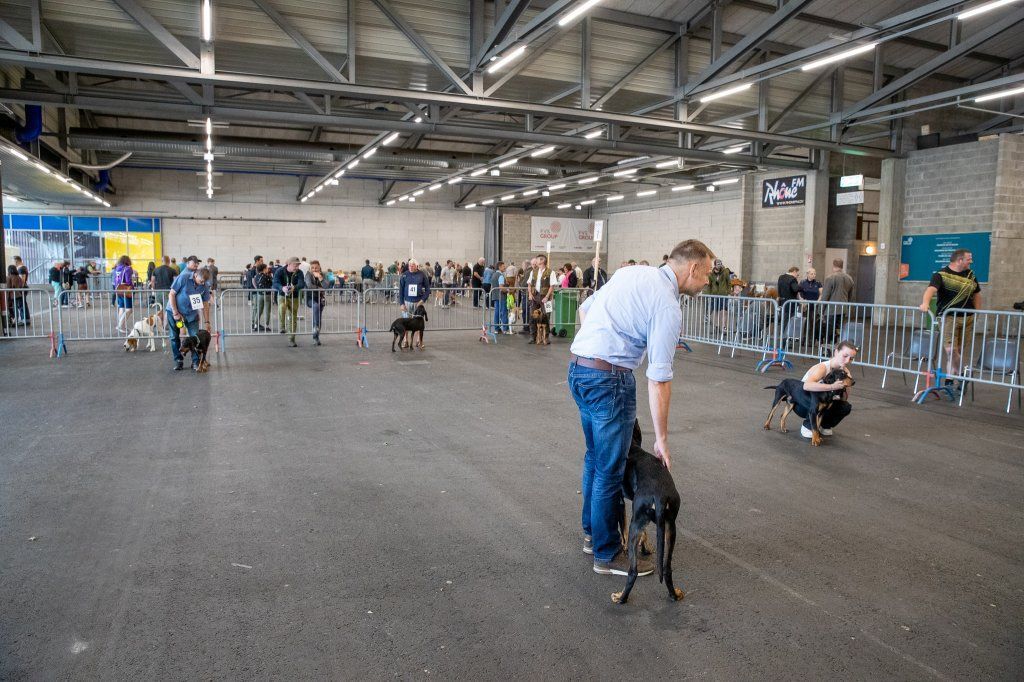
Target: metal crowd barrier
{"x": 734, "y": 322}
{"x": 95, "y": 316}
{"x": 448, "y": 309}
{"x": 257, "y": 312}
{"x": 27, "y": 314}
{"x": 977, "y": 347}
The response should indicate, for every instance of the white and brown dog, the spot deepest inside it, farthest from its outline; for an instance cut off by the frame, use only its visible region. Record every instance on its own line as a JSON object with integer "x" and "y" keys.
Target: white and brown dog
{"x": 148, "y": 328}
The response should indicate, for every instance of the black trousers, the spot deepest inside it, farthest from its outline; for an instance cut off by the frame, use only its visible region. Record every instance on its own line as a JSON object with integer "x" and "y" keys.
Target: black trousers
{"x": 835, "y": 413}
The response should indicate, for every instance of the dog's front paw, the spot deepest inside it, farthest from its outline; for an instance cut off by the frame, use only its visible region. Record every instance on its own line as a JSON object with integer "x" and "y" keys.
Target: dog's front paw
{"x": 617, "y": 598}
{"x": 678, "y": 594}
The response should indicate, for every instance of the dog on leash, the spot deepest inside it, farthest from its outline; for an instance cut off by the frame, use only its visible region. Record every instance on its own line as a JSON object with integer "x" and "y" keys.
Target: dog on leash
{"x": 655, "y": 500}
{"x": 409, "y": 327}
{"x": 541, "y": 319}
{"x": 198, "y": 345}
{"x": 791, "y": 391}
{"x": 148, "y": 328}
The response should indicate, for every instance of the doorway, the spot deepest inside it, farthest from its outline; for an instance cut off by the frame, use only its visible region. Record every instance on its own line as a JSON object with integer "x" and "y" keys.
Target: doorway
{"x": 866, "y": 279}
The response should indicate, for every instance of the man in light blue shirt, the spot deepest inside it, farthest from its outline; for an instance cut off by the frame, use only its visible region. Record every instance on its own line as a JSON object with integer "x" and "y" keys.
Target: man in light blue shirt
{"x": 636, "y": 313}
{"x": 189, "y": 295}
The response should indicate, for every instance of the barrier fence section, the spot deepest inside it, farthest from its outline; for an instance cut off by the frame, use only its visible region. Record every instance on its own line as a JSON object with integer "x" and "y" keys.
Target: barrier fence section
{"x": 563, "y": 319}
{"x": 891, "y": 338}
{"x": 27, "y": 314}
{"x": 264, "y": 312}
{"x": 735, "y": 322}
{"x": 110, "y": 315}
{"x": 977, "y": 347}
{"x": 448, "y": 309}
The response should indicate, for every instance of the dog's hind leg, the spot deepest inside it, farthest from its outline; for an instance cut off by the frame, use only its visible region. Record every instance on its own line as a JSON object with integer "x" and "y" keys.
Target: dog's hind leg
{"x": 636, "y": 526}
{"x": 785, "y": 413}
{"x": 771, "y": 415}
{"x": 669, "y": 524}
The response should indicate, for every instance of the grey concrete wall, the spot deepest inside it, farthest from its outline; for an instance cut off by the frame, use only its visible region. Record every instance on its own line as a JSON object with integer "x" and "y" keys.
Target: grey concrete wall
{"x": 973, "y": 187}
{"x": 515, "y": 246}
{"x": 777, "y": 234}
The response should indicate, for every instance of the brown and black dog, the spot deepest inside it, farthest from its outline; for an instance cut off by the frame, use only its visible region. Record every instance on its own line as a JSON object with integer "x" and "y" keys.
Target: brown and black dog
{"x": 198, "y": 345}
{"x": 791, "y": 391}
{"x": 540, "y": 319}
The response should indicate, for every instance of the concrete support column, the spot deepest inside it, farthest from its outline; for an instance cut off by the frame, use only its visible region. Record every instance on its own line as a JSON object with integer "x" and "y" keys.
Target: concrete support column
{"x": 751, "y": 202}
{"x": 491, "y": 237}
{"x": 890, "y": 230}
{"x": 816, "y": 217}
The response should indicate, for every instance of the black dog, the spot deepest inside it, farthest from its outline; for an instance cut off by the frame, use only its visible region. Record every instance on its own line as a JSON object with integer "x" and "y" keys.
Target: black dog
{"x": 809, "y": 402}
{"x": 198, "y": 345}
{"x": 655, "y": 500}
{"x": 410, "y": 325}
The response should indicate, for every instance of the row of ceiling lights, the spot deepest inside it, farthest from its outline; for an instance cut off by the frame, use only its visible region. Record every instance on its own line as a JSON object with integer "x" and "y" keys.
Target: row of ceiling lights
{"x": 645, "y": 193}
{"x": 208, "y": 158}
{"x": 352, "y": 163}
{"x": 11, "y": 149}
{"x": 514, "y": 53}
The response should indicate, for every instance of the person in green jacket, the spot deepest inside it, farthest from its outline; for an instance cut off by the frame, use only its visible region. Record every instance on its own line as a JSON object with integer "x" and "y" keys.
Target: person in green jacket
{"x": 718, "y": 285}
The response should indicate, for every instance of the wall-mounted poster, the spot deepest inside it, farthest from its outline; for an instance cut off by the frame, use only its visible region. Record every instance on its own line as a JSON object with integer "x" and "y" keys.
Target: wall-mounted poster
{"x": 923, "y": 254}
{"x": 575, "y": 235}
{"x": 779, "y": 192}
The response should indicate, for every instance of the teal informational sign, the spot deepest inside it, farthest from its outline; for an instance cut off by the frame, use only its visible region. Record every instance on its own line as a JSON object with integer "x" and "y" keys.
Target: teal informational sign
{"x": 923, "y": 254}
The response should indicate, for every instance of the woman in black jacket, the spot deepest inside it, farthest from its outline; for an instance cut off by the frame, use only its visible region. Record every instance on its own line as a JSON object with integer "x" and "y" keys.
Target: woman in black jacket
{"x": 316, "y": 299}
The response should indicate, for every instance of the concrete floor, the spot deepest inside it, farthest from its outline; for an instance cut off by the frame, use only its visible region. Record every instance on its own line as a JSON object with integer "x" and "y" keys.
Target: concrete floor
{"x": 298, "y": 514}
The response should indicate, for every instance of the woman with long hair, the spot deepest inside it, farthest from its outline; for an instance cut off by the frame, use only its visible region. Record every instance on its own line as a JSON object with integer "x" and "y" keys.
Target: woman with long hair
{"x": 315, "y": 296}
{"x": 123, "y": 281}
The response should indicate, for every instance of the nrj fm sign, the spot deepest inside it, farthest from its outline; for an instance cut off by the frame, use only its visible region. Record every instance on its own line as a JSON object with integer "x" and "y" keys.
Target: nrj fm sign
{"x": 778, "y": 192}
{"x": 565, "y": 234}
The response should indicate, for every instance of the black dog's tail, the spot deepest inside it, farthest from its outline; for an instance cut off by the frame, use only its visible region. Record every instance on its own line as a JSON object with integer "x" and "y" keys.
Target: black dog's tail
{"x": 659, "y": 524}
{"x": 771, "y": 388}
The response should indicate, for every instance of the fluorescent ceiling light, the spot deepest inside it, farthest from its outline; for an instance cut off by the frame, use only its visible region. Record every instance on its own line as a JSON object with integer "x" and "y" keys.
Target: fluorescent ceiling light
{"x": 681, "y": 188}
{"x": 106, "y": 203}
{"x": 412, "y": 200}
{"x": 542, "y": 151}
{"x": 578, "y": 207}
{"x": 339, "y": 173}
{"x": 455, "y": 181}
{"x": 580, "y": 9}
{"x": 487, "y": 202}
{"x": 508, "y": 197}
{"x": 495, "y": 172}
{"x": 587, "y": 181}
{"x": 667, "y": 164}
{"x": 209, "y": 126}
{"x": 564, "y": 205}
{"x": 560, "y": 185}
{"x": 730, "y": 181}
{"x": 530, "y": 192}
{"x": 435, "y": 187}
{"x": 710, "y": 188}
{"x": 207, "y": 19}
{"x": 1000, "y": 94}
{"x": 207, "y": 156}
{"x": 417, "y": 193}
{"x": 209, "y": 144}
{"x": 617, "y": 197}
{"x": 981, "y": 9}
{"x": 594, "y": 133}
{"x": 478, "y": 172}
{"x": 418, "y": 119}
{"x": 353, "y": 164}
{"x": 389, "y": 139}
{"x": 17, "y": 153}
{"x": 471, "y": 206}
{"x": 725, "y": 93}
{"x": 509, "y": 57}
{"x": 619, "y": 174}
{"x": 647, "y": 193}
{"x": 638, "y": 158}
{"x": 588, "y": 202}
{"x": 735, "y": 150}
{"x": 838, "y": 57}
{"x": 369, "y": 152}
{"x": 403, "y": 198}
{"x": 545, "y": 193}
{"x": 391, "y": 202}
{"x": 13, "y": 200}
{"x": 304, "y": 199}
{"x": 508, "y": 162}
{"x": 333, "y": 182}
{"x": 42, "y": 168}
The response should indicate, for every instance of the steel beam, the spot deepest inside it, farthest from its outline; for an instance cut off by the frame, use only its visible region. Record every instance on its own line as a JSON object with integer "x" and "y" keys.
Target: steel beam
{"x": 422, "y": 45}
{"x": 720, "y": 64}
{"x": 351, "y": 41}
{"x": 370, "y": 93}
{"x": 17, "y": 41}
{"x": 300, "y": 40}
{"x": 959, "y": 51}
{"x": 622, "y": 82}
{"x": 146, "y": 20}
{"x": 187, "y": 92}
{"x": 585, "y": 35}
{"x": 35, "y": 12}
{"x": 536, "y": 27}
{"x": 535, "y": 53}
{"x": 504, "y": 23}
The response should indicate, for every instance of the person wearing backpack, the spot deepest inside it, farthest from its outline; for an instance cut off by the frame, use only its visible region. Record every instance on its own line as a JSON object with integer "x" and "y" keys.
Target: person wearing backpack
{"x": 123, "y": 281}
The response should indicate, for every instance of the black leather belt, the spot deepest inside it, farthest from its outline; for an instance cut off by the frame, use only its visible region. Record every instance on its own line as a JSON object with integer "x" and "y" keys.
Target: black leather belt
{"x": 597, "y": 363}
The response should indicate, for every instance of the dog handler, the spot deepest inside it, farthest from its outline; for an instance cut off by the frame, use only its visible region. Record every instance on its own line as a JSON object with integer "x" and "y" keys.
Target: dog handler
{"x": 414, "y": 288}
{"x": 189, "y": 294}
{"x": 636, "y": 313}
{"x": 840, "y": 408}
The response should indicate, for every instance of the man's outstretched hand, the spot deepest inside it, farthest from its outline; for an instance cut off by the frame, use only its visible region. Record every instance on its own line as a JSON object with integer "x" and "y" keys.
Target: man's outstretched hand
{"x": 661, "y": 452}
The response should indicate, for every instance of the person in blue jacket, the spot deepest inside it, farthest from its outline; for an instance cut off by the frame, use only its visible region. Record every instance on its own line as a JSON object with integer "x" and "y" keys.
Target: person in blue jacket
{"x": 288, "y": 282}
{"x": 413, "y": 288}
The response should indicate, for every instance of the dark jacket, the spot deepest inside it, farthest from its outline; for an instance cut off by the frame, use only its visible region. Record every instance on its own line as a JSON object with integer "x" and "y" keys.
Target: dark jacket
{"x": 422, "y": 282}
{"x": 788, "y": 288}
{"x": 367, "y": 273}
{"x": 589, "y": 282}
{"x": 284, "y": 278}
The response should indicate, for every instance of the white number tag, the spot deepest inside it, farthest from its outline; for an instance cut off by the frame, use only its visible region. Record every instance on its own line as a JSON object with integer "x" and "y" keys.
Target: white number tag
{"x": 413, "y": 290}
{"x": 549, "y": 307}
{"x": 196, "y": 301}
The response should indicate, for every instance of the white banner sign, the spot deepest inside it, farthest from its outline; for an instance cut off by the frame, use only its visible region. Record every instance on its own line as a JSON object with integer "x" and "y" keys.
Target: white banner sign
{"x": 574, "y": 235}
{"x": 848, "y": 198}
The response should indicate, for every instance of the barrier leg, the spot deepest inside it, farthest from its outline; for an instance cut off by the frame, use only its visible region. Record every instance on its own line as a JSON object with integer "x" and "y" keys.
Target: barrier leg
{"x": 222, "y": 346}
{"x": 685, "y": 346}
{"x": 778, "y": 359}
{"x": 488, "y": 336}
{"x": 939, "y": 388}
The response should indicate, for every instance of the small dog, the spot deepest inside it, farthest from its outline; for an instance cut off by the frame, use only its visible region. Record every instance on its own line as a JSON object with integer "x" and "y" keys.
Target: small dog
{"x": 541, "y": 319}
{"x": 410, "y": 326}
{"x": 791, "y": 391}
{"x": 655, "y": 500}
{"x": 515, "y": 314}
{"x": 146, "y": 329}
{"x": 198, "y": 345}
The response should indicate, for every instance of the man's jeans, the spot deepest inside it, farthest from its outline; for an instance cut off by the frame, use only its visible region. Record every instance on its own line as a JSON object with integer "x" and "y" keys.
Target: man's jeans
{"x": 500, "y": 313}
{"x": 607, "y": 404}
{"x": 191, "y": 326}
{"x": 288, "y": 314}
{"x": 260, "y": 309}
